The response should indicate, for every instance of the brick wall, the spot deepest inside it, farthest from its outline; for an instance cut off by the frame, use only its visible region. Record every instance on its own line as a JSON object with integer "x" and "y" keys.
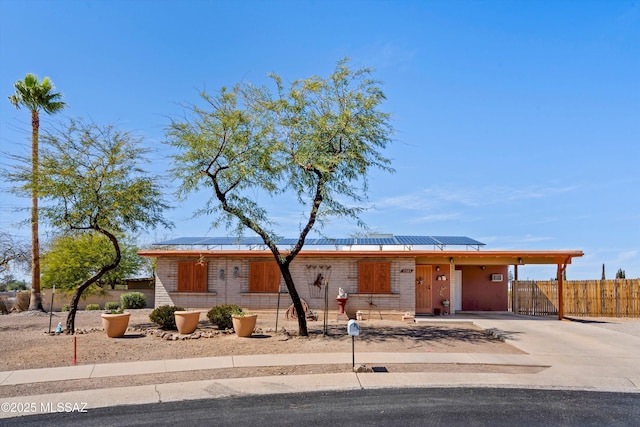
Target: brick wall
{"x": 228, "y": 283}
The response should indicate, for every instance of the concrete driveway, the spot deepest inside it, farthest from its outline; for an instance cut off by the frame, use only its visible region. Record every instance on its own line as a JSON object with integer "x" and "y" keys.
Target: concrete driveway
{"x": 601, "y": 353}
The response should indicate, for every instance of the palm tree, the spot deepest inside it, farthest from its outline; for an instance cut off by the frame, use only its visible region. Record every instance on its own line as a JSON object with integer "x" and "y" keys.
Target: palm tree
{"x": 35, "y": 96}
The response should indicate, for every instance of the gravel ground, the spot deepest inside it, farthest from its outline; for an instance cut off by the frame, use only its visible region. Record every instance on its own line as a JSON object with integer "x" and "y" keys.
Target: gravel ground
{"x": 26, "y": 344}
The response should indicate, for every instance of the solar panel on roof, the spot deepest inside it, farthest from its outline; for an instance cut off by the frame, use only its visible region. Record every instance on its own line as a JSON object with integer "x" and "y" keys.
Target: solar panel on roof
{"x": 375, "y": 241}
{"x": 338, "y": 241}
{"x": 251, "y": 241}
{"x": 217, "y": 241}
{"x": 291, "y": 242}
{"x": 416, "y": 240}
{"x": 397, "y": 240}
{"x": 181, "y": 241}
{"x": 456, "y": 240}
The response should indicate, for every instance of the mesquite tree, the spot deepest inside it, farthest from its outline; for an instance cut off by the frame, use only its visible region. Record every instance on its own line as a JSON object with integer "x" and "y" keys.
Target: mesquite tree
{"x": 91, "y": 181}
{"x": 71, "y": 258}
{"x": 315, "y": 141}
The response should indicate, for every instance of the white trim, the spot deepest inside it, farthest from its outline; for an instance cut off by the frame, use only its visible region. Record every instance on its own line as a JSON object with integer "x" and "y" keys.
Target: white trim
{"x": 457, "y": 289}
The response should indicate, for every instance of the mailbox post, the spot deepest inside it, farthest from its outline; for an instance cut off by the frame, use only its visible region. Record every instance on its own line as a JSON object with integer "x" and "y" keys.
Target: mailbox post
{"x": 354, "y": 330}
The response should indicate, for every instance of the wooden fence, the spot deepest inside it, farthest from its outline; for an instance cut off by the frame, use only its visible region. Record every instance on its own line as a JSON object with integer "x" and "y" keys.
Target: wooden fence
{"x": 591, "y": 298}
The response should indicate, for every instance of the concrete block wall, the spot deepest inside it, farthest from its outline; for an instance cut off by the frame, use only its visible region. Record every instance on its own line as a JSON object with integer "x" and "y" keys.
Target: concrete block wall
{"x": 228, "y": 283}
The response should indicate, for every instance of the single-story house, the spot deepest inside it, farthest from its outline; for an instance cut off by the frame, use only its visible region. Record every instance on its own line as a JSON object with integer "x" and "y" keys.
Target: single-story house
{"x": 418, "y": 274}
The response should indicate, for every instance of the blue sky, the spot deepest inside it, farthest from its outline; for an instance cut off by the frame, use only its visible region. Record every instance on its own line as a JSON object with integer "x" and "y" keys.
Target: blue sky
{"x": 518, "y": 122}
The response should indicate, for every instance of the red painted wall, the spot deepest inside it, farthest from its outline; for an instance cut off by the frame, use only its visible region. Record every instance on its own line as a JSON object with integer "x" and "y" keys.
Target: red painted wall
{"x": 440, "y": 289}
{"x": 479, "y": 293}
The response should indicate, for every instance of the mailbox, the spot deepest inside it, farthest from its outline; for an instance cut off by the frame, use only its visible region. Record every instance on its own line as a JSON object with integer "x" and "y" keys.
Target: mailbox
{"x": 352, "y": 328}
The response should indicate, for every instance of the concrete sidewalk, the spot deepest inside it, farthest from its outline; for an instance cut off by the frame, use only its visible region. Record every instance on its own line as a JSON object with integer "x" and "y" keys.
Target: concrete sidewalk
{"x": 32, "y": 376}
{"x": 573, "y": 355}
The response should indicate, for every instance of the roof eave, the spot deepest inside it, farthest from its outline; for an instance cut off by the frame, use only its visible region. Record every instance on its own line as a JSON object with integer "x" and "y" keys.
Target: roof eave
{"x": 434, "y": 256}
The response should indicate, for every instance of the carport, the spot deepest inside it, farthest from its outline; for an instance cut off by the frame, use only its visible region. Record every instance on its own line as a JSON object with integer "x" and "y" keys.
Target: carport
{"x": 487, "y": 259}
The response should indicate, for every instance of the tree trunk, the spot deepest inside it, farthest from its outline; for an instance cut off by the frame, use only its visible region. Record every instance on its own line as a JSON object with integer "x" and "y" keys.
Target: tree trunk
{"x": 295, "y": 298}
{"x": 35, "y": 302}
{"x": 73, "y": 308}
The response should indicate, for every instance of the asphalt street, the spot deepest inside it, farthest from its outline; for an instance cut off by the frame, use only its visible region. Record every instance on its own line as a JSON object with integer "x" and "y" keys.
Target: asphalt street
{"x": 381, "y": 407}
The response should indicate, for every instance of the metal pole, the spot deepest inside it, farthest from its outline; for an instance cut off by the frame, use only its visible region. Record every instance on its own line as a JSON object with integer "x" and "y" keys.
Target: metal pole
{"x": 278, "y": 309}
{"x": 51, "y": 308}
{"x": 326, "y": 308}
{"x": 353, "y": 352}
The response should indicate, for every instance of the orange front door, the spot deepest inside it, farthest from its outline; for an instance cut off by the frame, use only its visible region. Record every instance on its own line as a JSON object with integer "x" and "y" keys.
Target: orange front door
{"x": 423, "y": 290}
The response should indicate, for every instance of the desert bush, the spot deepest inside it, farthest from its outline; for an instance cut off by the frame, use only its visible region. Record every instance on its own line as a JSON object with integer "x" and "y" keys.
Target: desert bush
{"x": 220, "y": 315}
{"x": 92, "y": 307}
{"x": 111, "y": 305}
{"x": 133, "y": 300}
{"x": 164, "y": 317}
{"x": 65, "y": 307}
{"x": 22, "y": 300}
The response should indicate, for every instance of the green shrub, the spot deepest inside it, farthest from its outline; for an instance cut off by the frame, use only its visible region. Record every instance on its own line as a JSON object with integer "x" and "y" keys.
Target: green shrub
{"x": 91, "y": 307}
{"x": 111, "y": 305}
{"x": 163, "y": 316}
{"x": 66, "y": 307}
{"x": 133, "y": 300}
{"x": 220, "y": 315}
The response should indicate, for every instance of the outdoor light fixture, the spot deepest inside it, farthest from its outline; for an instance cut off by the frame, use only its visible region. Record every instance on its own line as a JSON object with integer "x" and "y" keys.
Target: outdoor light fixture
{"x": 451, "y": 260}
{"x": 520, "y": 261}
{"x": 437, "y": 268}
{"x": 236, "y": 271}
{"x": 221, "y": 273}
{"x": 484, "y": 267}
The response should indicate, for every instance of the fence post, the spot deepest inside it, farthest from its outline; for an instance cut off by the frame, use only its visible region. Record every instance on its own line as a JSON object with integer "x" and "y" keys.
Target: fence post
{"x": 560, "y": 296}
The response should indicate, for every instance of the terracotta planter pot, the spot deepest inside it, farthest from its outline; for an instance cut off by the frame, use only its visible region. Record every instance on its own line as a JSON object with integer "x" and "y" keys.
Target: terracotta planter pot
{"x": 115, "y": 325}
{"x": 244, "y": 325}
{"x": 342, "y": 302}
{"x": 187, "y": 321}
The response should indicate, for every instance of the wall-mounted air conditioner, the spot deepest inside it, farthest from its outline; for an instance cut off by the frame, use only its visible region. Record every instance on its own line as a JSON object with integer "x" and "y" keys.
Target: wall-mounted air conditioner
{"x": 496, "y": 277}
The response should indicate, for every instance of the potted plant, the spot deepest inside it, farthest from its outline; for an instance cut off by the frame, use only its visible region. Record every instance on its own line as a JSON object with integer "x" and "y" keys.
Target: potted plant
{"x": 187, "y": 320}
{"x": 115, "y": 322}
{"x": 445, "y": 302}
{"x": 243, "y": 323}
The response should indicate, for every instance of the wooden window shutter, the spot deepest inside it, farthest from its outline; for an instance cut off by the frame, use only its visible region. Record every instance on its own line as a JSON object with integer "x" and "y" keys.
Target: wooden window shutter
{"x": 185, "y": 272}
{"x": 256, "y": 277}
{"x": 366, "y": 277}
{"x": 383, "y": 277}
{"x": 200, "y": 277}
{"x": 192, "y": 276}
{"x": 264, "y": 277}
{"x": 374, "y": 277}
{"x": 272, "y": 282}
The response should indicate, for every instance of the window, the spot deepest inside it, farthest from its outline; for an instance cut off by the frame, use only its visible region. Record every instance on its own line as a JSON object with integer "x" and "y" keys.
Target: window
{"x": 264, "y": 277}
{"x": 192, "y": 276}
{"x": 374, "y": 277}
